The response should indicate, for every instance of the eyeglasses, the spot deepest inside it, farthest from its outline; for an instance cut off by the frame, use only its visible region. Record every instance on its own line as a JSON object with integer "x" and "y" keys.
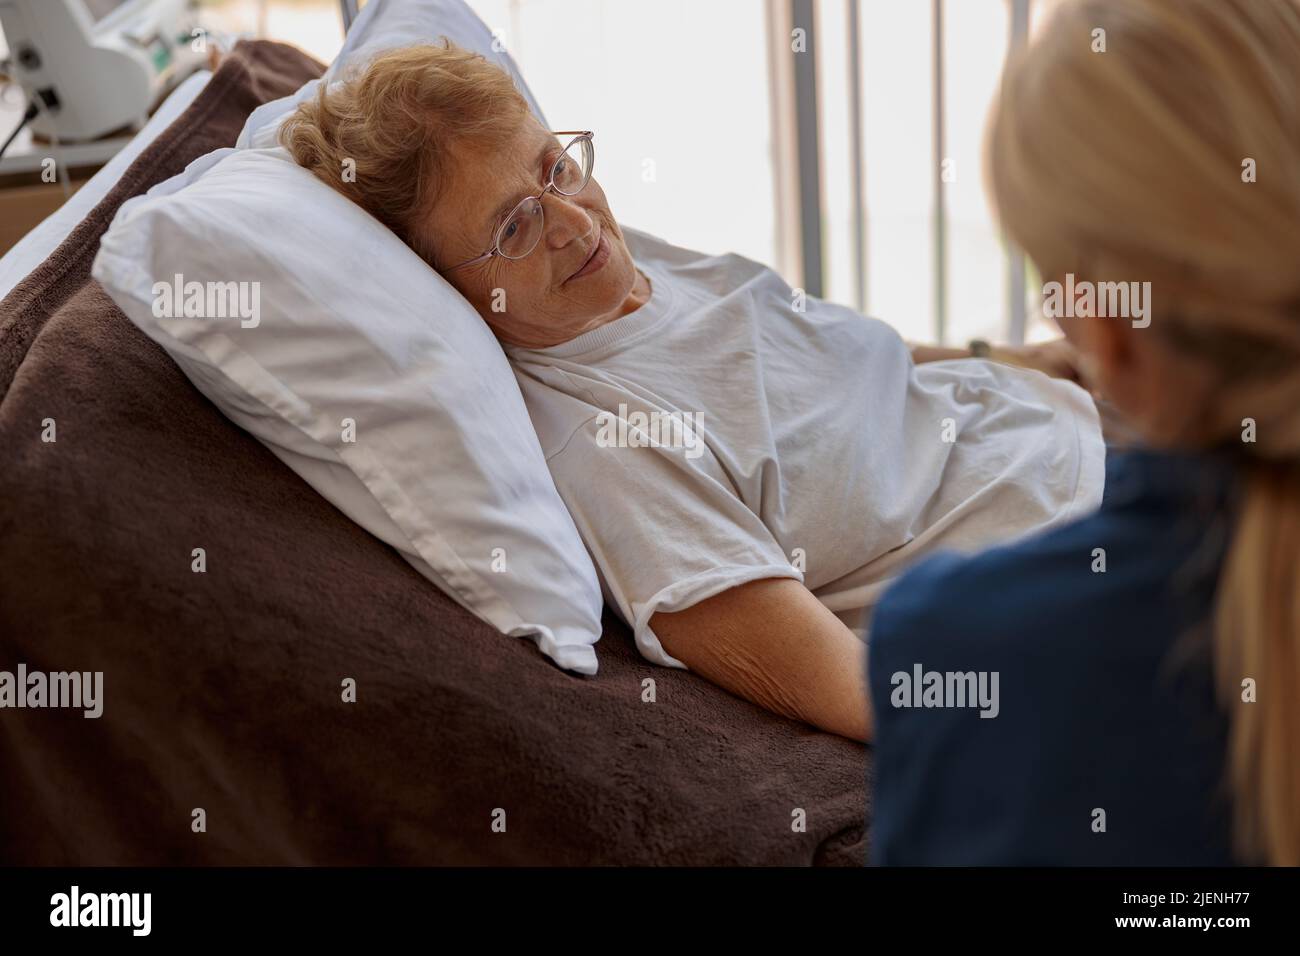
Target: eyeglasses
{"x": 520, "y": 231}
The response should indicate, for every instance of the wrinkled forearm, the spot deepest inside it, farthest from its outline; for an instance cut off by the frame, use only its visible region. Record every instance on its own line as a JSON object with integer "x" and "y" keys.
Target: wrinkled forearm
{"x": 773, "y": 643}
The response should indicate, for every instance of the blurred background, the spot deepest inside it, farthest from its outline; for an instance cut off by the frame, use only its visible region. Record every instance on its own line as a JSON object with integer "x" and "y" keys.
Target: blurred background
{"x": 838, "y": 141}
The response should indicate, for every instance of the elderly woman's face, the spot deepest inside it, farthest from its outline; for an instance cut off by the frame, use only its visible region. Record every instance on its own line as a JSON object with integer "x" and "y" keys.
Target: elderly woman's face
{"x": 580, "y": 274}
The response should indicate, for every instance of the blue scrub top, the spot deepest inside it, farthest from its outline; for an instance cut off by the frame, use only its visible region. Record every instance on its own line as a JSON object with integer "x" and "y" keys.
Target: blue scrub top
{"x": 1108, "y": 744}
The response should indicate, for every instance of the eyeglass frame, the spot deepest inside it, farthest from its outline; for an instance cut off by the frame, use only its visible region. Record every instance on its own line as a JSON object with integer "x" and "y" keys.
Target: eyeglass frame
{"x": 577, "y": 134}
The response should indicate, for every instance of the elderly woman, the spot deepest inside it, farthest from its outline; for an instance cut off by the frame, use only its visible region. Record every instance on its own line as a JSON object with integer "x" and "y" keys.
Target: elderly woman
{"x": 775, "y": 462}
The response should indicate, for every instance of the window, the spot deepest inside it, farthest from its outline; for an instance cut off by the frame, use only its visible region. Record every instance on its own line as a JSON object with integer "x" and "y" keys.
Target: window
{"x": 856, "y": 172}
{"x": 677, "y": 94}
{"x": 908, "y": 232}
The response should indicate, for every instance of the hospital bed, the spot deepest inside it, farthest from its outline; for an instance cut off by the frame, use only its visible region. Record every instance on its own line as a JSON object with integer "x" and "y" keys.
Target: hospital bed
{"x": 224, "y": 696}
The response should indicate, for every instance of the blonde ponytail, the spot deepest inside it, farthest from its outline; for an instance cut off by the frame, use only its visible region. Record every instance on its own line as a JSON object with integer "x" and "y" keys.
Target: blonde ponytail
{"x": 1257, "y": 651}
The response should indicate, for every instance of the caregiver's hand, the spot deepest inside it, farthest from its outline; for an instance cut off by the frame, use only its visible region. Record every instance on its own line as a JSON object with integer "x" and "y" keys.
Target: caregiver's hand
{"x": 1057, "y": 358}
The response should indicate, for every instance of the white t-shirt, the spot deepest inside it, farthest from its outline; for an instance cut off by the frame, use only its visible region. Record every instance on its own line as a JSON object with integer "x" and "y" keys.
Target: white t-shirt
{"x": 718, "y": 435}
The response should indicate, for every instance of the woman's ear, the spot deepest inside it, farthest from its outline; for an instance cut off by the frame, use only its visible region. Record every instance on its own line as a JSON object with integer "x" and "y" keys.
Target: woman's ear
{"x": 1105, "y": 349}
{"x": 1161, "y": 392}
{"x": 1121, "y": 364}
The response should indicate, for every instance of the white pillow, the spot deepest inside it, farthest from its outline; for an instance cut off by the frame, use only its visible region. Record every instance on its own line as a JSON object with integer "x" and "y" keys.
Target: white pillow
{"x": 382, "y": 25}
{"x": 343, "y": 322}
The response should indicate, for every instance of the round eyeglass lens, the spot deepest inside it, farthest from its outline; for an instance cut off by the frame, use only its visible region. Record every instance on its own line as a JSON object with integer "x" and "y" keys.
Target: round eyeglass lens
{"x": 521, "y": 231}
{"x": 572, "y": 170}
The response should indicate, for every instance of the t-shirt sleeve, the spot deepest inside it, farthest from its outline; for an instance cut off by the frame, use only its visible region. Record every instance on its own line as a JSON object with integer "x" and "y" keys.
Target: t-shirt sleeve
{"x": 664, "y": 533}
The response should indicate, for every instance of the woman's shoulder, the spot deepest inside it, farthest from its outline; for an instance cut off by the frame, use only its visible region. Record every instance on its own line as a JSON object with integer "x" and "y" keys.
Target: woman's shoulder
{"x": 717, "y": 273}
{"x": 1147, "y": 561}
{"x": 1011, "y": 591}
{"x": 649, "y": 249}
{"x": 1088, "y": 644}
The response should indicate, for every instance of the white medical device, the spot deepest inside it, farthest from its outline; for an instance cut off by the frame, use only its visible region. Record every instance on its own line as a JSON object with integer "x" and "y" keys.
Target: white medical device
{"x": 95, "y": 66}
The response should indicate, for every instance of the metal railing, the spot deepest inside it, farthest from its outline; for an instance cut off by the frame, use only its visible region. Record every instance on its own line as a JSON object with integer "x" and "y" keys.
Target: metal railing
{"x": 795, "y": 115}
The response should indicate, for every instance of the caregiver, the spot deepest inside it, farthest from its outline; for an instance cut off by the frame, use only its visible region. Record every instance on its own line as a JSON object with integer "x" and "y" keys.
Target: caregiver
{"x": 1147, "y": 657}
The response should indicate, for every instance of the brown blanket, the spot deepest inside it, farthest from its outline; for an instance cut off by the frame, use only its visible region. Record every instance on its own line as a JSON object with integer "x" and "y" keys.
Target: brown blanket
{"x": 223, "y": 689}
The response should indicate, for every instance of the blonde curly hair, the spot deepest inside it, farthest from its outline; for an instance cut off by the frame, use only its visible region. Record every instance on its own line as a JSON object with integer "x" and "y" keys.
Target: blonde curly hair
{"x": 382, "y": 136}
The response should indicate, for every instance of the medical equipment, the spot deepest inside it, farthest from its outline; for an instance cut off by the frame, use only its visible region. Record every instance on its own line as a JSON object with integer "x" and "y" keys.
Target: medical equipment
{"x": 95, "y": 66}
